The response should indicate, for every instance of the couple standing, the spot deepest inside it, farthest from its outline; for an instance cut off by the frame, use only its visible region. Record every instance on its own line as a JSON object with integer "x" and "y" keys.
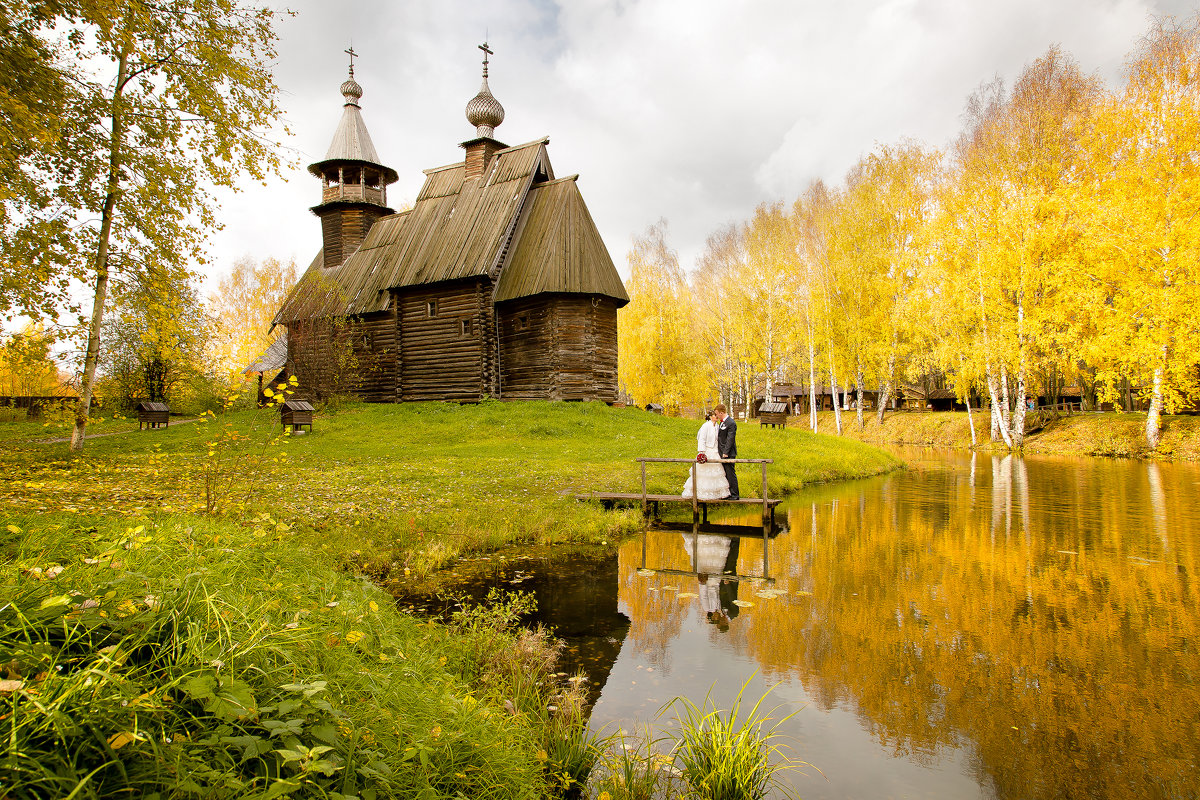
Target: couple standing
{"x": 716, "y": 439}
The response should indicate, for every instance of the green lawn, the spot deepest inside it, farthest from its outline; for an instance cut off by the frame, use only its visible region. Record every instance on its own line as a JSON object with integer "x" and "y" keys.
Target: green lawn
{"x": 150, "y": 648}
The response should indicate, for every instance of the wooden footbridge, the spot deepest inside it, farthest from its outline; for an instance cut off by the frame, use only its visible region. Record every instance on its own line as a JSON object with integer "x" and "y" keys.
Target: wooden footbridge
{"x": 650, "y": 502}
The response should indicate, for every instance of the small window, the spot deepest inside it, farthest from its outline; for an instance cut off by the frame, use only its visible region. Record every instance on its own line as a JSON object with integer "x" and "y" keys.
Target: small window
{"x": 431, "y": 308}
{"x": 466, "y": 327}
{"x": 523, "y": 322}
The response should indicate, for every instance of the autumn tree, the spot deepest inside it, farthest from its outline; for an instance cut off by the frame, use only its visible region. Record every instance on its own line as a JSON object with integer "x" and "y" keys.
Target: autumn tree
{"x": 35, "y": 234}
{"x": 659, "y": 354}
{"x": 722, "y": 347}
{"x": 243, "y": 307}
{"x": 1014, "y": 160}
{"x": 155, "y": 342}
{"x": 28, "y": 366}
{"x": 767, "y": 287}
{"x": 1139, "y": 204}
{"x": 165, "y": 100}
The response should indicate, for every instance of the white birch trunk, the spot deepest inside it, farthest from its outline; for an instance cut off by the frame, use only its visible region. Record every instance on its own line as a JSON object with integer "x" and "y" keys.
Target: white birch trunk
{"x": 1154, "y": 413}
{"x": 885, "y": 393}
{"x": 970, "y": 421}
{"x": 833, "y": 395}
{"x": 812, "y": 381}
{"x": 858, "y": 396}
{"x": 115, "y": 156}
{"x": 999, "y": 421}
{"x": 1018, "y": 420}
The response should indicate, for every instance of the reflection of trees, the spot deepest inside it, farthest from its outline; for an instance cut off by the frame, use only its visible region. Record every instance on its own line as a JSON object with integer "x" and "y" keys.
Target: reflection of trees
{"x": 1052, "y": 632}
{"x": 656, "y": 616}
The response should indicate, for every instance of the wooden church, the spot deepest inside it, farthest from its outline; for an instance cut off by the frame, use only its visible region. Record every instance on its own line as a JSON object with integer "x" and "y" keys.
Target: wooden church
{"x": 496, "y": 282}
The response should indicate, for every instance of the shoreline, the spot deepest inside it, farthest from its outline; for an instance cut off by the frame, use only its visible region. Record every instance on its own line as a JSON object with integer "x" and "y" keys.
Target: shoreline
{"x": 1109, "y": 434}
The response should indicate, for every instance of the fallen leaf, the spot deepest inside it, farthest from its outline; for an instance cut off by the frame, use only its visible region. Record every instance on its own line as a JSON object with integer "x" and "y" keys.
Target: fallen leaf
{"x": 743, "y": 603}
{"x": 119, "y": 740}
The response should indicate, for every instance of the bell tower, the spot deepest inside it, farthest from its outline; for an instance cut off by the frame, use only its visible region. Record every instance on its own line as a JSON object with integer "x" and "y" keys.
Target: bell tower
{"x": 353, "y": 181}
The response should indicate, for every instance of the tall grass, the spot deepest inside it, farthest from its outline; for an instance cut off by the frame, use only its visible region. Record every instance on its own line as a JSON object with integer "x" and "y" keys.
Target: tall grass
{"x": 198, "y": 658}
{"x": 710, "y": 754}
{"x": 724, "y": 755}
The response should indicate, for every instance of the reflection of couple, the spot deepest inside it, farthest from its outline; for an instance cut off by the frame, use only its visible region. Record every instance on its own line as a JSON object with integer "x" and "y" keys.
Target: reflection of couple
{"x": 716, "y": 439}
{"x": 711, "y": 557}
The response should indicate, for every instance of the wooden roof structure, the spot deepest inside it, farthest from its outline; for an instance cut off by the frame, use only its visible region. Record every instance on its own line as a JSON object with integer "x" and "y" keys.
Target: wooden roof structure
{"x": 515, "y": 223}
{"x": 271, "y": 359}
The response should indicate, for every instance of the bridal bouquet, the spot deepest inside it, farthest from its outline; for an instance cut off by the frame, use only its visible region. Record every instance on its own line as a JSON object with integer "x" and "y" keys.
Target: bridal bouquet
{"x": 701, "y": 458}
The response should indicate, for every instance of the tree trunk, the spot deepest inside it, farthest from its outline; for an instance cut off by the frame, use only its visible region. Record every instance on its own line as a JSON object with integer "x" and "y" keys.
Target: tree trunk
{"x": 833, "y": 396}
{"x": 999, "y": 418}
{"x": 1154, "y": 414}
{"x": 885, "y": 392}
{"x": 970, "y": 418}
{"x": 1018, "y": 420}
{"x": 970, "y": 421}
{"x": 858, "y": 395}
{"x": 113, "y": 185}
{"x": 812, "y": 382}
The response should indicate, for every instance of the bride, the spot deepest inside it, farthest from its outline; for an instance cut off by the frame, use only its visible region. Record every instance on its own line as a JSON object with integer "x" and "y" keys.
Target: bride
{"x": 710, "y": 476}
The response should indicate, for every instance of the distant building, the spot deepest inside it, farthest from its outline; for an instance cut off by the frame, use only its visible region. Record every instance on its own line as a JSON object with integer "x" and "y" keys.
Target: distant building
{"x": 495, "y": 284}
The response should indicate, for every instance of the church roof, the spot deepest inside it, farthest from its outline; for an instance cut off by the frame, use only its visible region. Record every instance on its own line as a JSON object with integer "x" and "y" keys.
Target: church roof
{"x": 463, "y": 228}
{"x": 351, "y": 141}
{"x": 557, "y": 248}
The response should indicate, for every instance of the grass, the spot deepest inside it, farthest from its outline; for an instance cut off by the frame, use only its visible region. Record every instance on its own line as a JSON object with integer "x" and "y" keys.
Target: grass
{"x": 202, "y": 610}
{"x": 412, "y": 487}
{"x": 725, "y": 756}
{"x": 712, "y": 754}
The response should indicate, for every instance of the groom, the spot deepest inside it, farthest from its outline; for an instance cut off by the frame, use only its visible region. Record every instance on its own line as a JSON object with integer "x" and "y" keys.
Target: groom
{"x": 727, "y": 447}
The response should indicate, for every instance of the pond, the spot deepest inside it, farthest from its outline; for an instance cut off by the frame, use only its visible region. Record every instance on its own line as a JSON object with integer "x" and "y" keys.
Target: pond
{"x": 976, "y": 626}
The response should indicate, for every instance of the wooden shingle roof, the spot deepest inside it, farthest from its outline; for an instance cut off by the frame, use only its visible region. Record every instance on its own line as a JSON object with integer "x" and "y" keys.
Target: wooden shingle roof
{"x": 460, "y": 228}
{"x": 558, "y": 249}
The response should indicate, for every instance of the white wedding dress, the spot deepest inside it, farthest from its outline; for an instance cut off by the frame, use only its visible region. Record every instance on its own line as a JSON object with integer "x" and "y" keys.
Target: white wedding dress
{"x": 710, "y": 477}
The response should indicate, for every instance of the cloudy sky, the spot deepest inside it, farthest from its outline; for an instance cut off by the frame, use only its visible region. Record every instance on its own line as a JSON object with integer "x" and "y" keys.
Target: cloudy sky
{"x": 694, "y": 111}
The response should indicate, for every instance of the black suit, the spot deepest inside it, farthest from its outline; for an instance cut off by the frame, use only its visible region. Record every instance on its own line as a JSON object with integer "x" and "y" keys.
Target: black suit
{"x": 727, "y": 448}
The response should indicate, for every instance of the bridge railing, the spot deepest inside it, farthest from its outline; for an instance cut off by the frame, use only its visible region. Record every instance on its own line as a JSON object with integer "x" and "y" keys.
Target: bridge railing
{"x": 694, "y": 463}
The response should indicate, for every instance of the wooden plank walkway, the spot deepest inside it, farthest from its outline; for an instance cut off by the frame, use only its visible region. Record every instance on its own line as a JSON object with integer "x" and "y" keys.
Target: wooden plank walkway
{"x": 672, "y": 498}
{"x": 650, "y": 502}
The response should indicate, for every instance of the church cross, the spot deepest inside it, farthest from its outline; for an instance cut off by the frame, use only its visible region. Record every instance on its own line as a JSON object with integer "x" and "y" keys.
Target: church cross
{"x": 350, "y": 51}
{"x": 486, "y": 52}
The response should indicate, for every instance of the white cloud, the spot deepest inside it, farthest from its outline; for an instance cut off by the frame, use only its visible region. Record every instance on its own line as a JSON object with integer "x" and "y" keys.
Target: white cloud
{"x": 692, "y": 110}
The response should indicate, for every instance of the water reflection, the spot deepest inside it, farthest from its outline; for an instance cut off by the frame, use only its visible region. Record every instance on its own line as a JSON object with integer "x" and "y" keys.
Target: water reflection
{"x": 979, "y": 626}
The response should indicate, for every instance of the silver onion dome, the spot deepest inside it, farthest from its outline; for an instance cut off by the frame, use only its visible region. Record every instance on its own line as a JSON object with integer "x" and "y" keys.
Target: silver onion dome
{"x": 485, "y": 112}
{"x": 351, "y": 91}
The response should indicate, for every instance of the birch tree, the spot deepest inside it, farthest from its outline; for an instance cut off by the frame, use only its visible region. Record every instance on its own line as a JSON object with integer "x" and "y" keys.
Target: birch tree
{"x": 167, "y": 100}
{"x": 1139, "y": 203}
{"x": 658, "y": 355}
{"x": 767, "y": 288}
{"x": 717, "y": 313}
{"x": 1014, "y": 159}
{"x": 246, "y": 301}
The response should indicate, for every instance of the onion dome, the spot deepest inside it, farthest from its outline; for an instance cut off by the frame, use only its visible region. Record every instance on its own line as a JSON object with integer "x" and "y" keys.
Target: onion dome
{"x": 352, "y": 143}
{"x": 484, "y": 111}
{"x": 351, "y": 91}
